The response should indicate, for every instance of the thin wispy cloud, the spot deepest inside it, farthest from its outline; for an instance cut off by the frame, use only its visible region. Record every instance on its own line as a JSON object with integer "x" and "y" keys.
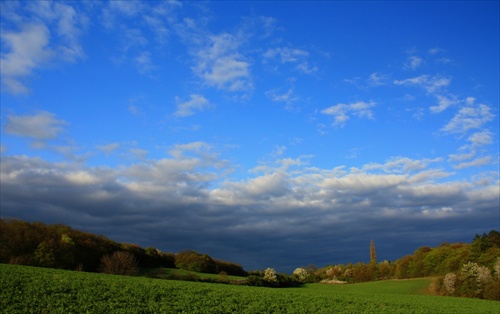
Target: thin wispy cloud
{"x": 298, "y": 57}
{"x": 108, "y": 148}
{"x": 341, "y": 113}
{"x": 430, "y": 83}
{"x": 190, "y": 107}
{"x": 414, "y": 62}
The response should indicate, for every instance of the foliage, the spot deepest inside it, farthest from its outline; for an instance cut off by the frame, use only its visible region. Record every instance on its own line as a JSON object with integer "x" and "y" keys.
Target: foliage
{"x": 43, "y": 290}
{"x": 59, "y": 246}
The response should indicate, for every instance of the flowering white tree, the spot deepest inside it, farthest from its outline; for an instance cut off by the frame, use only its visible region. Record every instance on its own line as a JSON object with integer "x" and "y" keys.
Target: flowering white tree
{"x": 497, "y": 267}
{"x": 301, "y": 273}
{"x": 449, "y": 282}
{"x": 270, "y": 275}
{"x": 483, "y": 275}
{"x": 469, "y": 270}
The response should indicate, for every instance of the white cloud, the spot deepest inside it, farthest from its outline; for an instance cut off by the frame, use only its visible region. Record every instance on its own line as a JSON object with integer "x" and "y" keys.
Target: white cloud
{"x": 435, "y": 50}
{"x": 286, "y": 55}
{"x": 188, "y": 108}
{"x": 469, "y": 118}
{"x": 129, "y": 8}
{"x": 413, "y": 62}
{"x": 291, "y": 55}
{"x": 474, "y": 163}
{"x": 139, "y": 153}
{"x": 461, "y": 157}
{"x": 430, "y": 84}
{"x": 377, "y": 79}
{"x": 69, "y": 27}
{"x": 481, "y": 138}
{"x": 28, "y": 50}
{"x": 44, "y": 32}
{"x": 443, "y": 103}
{"x": 263, "y": 187}
{"x": 341, "y": 112}
{"x": 141, "y": 27}
{"x": 400, "y": 165}
{"x": 109, "y": 148}
{"x": 220, "y": 64}
{"x": 42, "y": 126}
{"x": 476, "y": 141}
{"x": 289, "y": 97}
{"x": 144, "y": 63}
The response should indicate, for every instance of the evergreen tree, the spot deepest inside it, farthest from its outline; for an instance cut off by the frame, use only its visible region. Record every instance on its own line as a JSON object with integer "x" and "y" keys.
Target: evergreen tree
{"x": 373, "y": 253}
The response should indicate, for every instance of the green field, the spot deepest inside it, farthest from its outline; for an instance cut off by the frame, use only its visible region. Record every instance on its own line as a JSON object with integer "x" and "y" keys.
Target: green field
{"x": 172, "y": 273}
{"x": 39, "y": 290}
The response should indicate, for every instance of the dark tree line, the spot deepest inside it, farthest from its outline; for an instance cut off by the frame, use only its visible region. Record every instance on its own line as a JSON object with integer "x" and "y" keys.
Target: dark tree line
{"x": 59, "y": 246}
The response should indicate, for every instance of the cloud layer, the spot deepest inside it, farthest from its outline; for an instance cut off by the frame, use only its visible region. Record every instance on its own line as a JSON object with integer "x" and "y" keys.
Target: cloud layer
{"x": 289, "y": 215}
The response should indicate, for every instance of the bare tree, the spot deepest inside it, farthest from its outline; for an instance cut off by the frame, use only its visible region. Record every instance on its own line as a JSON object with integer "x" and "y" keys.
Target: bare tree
{"x": 119, "y": 263}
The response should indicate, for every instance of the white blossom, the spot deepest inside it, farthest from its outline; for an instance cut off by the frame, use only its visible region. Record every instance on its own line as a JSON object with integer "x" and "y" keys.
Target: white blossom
{"x": 301, "y": 273}
{"x": 449, "y": 282}
{"x": 270, "y": 275}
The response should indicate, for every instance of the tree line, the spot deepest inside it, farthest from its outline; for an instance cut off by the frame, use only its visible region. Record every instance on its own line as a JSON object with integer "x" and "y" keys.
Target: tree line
{"x": 60, "y": 246}
{"x": 460, "y": 269}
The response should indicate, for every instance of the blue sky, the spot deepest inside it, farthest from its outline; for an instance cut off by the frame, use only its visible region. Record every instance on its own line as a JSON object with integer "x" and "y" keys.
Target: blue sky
{"x": 272, "y": 134}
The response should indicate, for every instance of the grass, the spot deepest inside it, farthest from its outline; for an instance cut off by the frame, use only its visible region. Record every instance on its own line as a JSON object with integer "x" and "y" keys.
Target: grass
{"x": 39, "y": 290}
{"x": 172, "y": 273}
{"x": 410, "y": 287}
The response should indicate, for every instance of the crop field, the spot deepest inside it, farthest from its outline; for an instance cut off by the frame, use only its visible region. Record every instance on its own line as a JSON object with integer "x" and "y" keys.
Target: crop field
{"x": 39, "y": 290}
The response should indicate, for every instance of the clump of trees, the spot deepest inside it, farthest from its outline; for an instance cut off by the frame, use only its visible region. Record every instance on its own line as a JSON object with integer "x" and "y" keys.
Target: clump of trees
{"x": 59, "y": 246}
